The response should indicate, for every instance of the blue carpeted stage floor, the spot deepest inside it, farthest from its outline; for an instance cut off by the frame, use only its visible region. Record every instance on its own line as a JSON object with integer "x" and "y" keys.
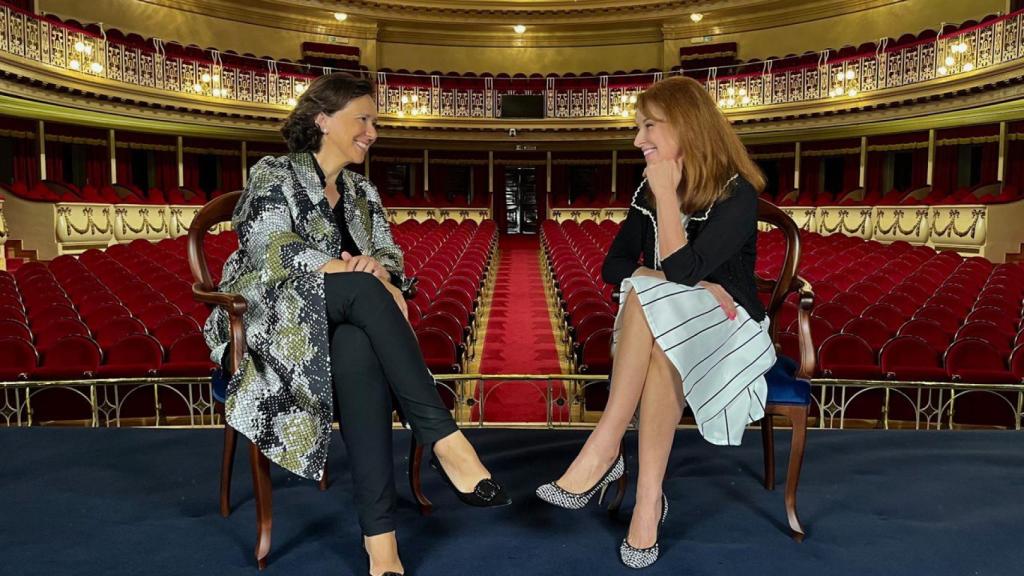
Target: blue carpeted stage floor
{"x": 144, "y": 502}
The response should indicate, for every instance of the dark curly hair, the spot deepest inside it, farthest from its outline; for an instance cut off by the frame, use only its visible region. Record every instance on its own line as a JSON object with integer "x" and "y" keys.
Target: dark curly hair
{"x": 326, "y": 94}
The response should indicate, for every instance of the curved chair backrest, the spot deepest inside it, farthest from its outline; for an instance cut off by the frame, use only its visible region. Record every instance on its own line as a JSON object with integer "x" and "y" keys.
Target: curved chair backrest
{"x": 786, "y": 281}
{"x": 211, "y": 214}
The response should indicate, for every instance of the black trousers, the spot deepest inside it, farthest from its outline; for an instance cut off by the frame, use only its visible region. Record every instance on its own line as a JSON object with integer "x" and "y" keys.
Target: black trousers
{"x": 374, "y": 353}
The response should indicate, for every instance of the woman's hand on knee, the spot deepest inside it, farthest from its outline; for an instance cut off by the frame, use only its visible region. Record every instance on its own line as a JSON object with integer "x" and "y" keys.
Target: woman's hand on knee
{"x": 724, "y": 298}
{"x": 368, "y": 264}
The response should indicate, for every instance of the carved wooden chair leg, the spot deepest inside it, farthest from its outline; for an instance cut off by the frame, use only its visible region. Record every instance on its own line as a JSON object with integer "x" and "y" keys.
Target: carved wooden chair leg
{"x": 798, "y": 416}
{"x": 768, "y": 440}
{"x": 226, "y": 465}
{"x": 415, "y": 465}
{"x": 261, "y": 492}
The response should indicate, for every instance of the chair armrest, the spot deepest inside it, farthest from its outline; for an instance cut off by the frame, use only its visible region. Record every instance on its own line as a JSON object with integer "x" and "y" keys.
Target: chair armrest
{"x": 233, "y": 304}
{"x": 806, "y": 305}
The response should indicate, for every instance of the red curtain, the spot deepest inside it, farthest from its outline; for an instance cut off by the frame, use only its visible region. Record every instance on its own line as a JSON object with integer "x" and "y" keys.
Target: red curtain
{"x": 26, "y": 161}
{"x": 873, "y": 179}
{"x": 945, "y": 175}
{"x": 190, "y": 169}
{"x": 97, "y": 166}
{"x": 786, "y": 167}
{"x": 810, "y": 181}
{"x": 851, "y": 172}
{"x": 166, "y": 169}
{"x": 55, "y": 161}
{"x": 230, "y": 173}
{"x": 989, "y": 162}
{"x": 1015, "y": 164}
{"x": 480, "y": 196}
{"x": 559, "y": 185}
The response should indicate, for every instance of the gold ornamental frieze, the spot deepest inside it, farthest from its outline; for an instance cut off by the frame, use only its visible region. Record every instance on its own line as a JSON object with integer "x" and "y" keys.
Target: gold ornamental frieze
{"x": 805, "y": 217}
{"x": 595, "y": 214}
{"x": 907, "y": 223}
{"x": 420, "y": 214}
{"x": 140, "y": 221}
{"x": 959, "y": 226}
{"x": 848, "y": 220}
{"x": 78, "y": 225}
{"x": 181, "y": 218}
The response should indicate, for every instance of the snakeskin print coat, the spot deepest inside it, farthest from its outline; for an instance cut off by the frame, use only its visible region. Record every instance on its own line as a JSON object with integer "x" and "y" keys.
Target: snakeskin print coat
{"x": 281, "y": 397}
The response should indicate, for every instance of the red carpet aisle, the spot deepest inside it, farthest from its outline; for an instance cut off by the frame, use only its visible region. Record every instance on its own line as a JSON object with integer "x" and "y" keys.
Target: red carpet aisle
{"x": 519, "y": 339}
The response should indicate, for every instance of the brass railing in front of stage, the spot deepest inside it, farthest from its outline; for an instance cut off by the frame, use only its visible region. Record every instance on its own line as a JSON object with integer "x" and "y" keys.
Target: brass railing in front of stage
{"x": 80, "y": 56}
{"x": 929, "y": 405}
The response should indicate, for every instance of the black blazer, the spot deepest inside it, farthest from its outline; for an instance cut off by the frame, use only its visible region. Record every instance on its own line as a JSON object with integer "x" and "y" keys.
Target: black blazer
{"x": 721, "y": 249}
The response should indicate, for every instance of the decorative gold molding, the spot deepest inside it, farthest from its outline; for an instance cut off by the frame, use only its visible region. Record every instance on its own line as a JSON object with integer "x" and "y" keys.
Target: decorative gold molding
{"x": 22, "y": 134}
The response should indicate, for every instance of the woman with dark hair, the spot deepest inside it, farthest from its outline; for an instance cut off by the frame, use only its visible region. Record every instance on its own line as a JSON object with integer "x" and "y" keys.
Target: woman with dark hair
{"x": 691, "y": 329}
{"x": 326, "y": 325}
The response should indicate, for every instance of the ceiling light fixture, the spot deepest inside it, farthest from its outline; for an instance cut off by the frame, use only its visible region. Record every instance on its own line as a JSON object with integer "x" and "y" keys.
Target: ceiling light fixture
{"x": 696, "y": 17}
{"x": 340, "y": 16}
{"x": 519, "y": 28}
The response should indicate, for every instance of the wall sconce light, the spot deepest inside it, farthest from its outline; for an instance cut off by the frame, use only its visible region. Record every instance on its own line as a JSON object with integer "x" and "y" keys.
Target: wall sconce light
{"x": 956, "y": 59}
{"x": 84, "y": 58}
{"x": 626, "y": 105}
{"x": 412, "y": 106}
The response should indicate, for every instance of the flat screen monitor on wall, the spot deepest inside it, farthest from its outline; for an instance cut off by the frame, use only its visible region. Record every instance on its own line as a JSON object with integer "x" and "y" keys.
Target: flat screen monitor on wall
{"x": 522, "y": 105}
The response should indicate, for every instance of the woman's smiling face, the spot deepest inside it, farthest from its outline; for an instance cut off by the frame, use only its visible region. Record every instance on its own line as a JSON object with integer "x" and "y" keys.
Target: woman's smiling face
{"x": 655, "y": 137}
{"x": 351, "y": 130}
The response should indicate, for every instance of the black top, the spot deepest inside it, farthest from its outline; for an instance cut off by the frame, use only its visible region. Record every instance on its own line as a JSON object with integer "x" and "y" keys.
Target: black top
{"x": 347, "y": 243}
{"x": 721, "y": 249}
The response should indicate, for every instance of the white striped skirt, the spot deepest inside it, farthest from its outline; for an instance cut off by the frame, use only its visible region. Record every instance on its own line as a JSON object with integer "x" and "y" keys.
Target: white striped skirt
{"x": 722, "y": 362}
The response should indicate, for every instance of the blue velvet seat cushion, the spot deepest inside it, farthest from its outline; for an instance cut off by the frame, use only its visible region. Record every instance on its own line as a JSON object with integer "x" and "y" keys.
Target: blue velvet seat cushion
{"x": 219, "y": 379}
{"x": 783, "y": 385}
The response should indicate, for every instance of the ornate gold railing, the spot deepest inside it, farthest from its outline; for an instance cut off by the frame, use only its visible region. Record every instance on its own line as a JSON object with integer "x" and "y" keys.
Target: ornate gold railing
{"x": 932, "y": 405}
{"x": 78, "y": 52}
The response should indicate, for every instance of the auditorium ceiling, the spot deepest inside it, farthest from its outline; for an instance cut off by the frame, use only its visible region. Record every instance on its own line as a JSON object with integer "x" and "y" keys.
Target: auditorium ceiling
{"x": 549, "y": 22}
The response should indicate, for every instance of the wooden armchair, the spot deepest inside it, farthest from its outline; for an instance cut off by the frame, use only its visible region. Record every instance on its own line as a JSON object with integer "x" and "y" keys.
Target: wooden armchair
{"x": 789, "y": 390}
{"x": 204, "y": 290}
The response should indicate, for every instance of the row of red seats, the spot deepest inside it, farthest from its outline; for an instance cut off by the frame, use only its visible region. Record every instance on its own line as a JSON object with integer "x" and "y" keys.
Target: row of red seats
{"x": 450, "y": 262}
{"x": 575, "y": 253}
{"x": 61, "y": 322}
{"x": 51, "y": 191}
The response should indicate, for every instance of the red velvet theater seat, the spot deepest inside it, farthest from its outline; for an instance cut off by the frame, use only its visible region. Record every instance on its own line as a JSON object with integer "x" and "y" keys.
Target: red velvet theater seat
{"x": 136, "y": 355}
{"x": 909, "y": 358}
{"x": 69, "y": 358}
{"x": 975, "y": 361}
{"x": 849, "y": 357}
{"x": 18, "y": 358}
{"x": 188, "y": 356}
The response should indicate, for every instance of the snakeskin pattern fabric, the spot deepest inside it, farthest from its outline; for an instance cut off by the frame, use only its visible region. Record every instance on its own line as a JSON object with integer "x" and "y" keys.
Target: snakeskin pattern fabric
{"x": 280, "y": 397}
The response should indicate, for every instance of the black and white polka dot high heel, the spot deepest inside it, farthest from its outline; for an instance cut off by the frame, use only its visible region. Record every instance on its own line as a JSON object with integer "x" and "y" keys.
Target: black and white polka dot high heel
{"x": 643, "y": 557}
{"x": 552, "y": 493}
